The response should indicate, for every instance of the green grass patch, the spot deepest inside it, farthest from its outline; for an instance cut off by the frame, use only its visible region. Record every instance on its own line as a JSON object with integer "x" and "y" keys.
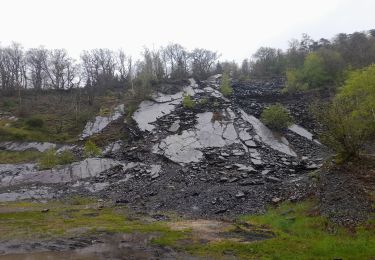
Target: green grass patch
{"x": 225, "y": 86}
{"x": 53, "y": 116}
{"x": 51, "y": 158}
{"x": 25, "y": 220}
{"x": 19, "y": 157}
{"x": 187, "y": 102}
{"x": 300, "y": 234}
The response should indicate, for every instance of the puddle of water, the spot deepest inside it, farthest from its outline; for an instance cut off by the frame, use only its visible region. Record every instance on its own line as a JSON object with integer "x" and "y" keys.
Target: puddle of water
{"x": 100, "y": 122}
{"x": 280, "y": 143}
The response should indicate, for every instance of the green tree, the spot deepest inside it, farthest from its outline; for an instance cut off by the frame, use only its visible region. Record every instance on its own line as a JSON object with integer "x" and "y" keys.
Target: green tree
{"x": 334, "y": 65}
{"x": 276, "y": 117}
{"x": 225, "y": 86}
{"x": 349, "y": 120}
{"x": 268, "y": 62}
{"x": 314, "y": 73}
{"x": 294, "y": 81}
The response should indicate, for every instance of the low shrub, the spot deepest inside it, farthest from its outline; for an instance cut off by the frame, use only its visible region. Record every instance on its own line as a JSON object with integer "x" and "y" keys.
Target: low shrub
{"x": 91, "y": 150}
{"x": 203, "y": 101}
{"x": 9, "y": 104}
{"x": 187, "y": 102}
{"x": 66, "y": 157}
{"x": 276, "y": 117}
{"x": 48, "y": 160}
{"x": 225, "y": 86}
{"x": 34, "y": 122}
{"x": 51, "y": 158}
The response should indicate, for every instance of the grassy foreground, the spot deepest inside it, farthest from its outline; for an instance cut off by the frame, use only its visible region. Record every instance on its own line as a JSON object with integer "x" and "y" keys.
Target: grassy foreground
{"x": 299, "y": 232}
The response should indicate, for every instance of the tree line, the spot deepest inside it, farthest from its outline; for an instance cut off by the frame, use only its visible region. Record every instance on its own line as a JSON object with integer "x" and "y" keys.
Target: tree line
{"x": 41, "y": 68}
{"x": 309, "y": 63}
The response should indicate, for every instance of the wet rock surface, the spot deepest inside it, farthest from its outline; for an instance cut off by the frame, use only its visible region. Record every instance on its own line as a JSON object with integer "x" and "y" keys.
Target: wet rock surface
{"x": 212, "y": 160}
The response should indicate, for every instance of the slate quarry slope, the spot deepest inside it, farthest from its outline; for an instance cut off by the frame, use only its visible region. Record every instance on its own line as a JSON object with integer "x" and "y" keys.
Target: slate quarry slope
{"x": 212, "y": 160}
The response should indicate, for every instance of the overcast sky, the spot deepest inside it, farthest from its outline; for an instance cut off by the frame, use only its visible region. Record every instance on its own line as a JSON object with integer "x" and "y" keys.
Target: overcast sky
{"x": 234, "y": 28}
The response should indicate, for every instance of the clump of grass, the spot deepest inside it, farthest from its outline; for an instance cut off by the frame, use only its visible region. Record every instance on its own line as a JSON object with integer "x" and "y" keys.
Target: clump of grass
{"x": 51, "y": 158}
{"x": 104, "y": 111}
{"x": 91, "y": 150}
{"x": 187, "y": 102}
{"x": 48, "y": 160}
{"x": 203, "y": 101}
{"x": 66, "y": 157}
{"x": 225, "y": 86}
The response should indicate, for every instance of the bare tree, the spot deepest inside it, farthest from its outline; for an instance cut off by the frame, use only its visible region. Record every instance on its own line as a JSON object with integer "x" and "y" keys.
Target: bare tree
{"x": 202, "y": 61}
{"x": 123, "y": 66}
{"x": 60, "y": 69}
{"x": 99, "y": 67}
{"x": 36, "y": 60}
{"x": 176, "y": 60}
{"x": 13, "y": 67}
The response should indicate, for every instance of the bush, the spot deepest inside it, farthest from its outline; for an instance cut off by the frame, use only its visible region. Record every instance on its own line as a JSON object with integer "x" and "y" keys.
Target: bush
{"x": 319, "y": 70}
{"x": 349, "y": 121}
{"x": 187, "y": 102}
{"x": 203, "y": 101}
{"x": 294, "y": 82}
{"x": 48, "y": 160}
{"x": 34, "y": 122}
{"x": 8, "y": 104}
{"x": 225, "y": 86}
{"x": 314, "y": 73}
{"x": 66, "y": 157}
{"x": 91, "y": 150}
{"x": 276, "y": 117}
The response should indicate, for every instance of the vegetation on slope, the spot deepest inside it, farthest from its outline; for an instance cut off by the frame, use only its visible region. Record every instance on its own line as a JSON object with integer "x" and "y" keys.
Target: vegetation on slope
{"x": 276, "y": 117}
{"x": 225, "y": 85}
{"x": 349, "y": 120}
{"x": 19, "y": 157}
